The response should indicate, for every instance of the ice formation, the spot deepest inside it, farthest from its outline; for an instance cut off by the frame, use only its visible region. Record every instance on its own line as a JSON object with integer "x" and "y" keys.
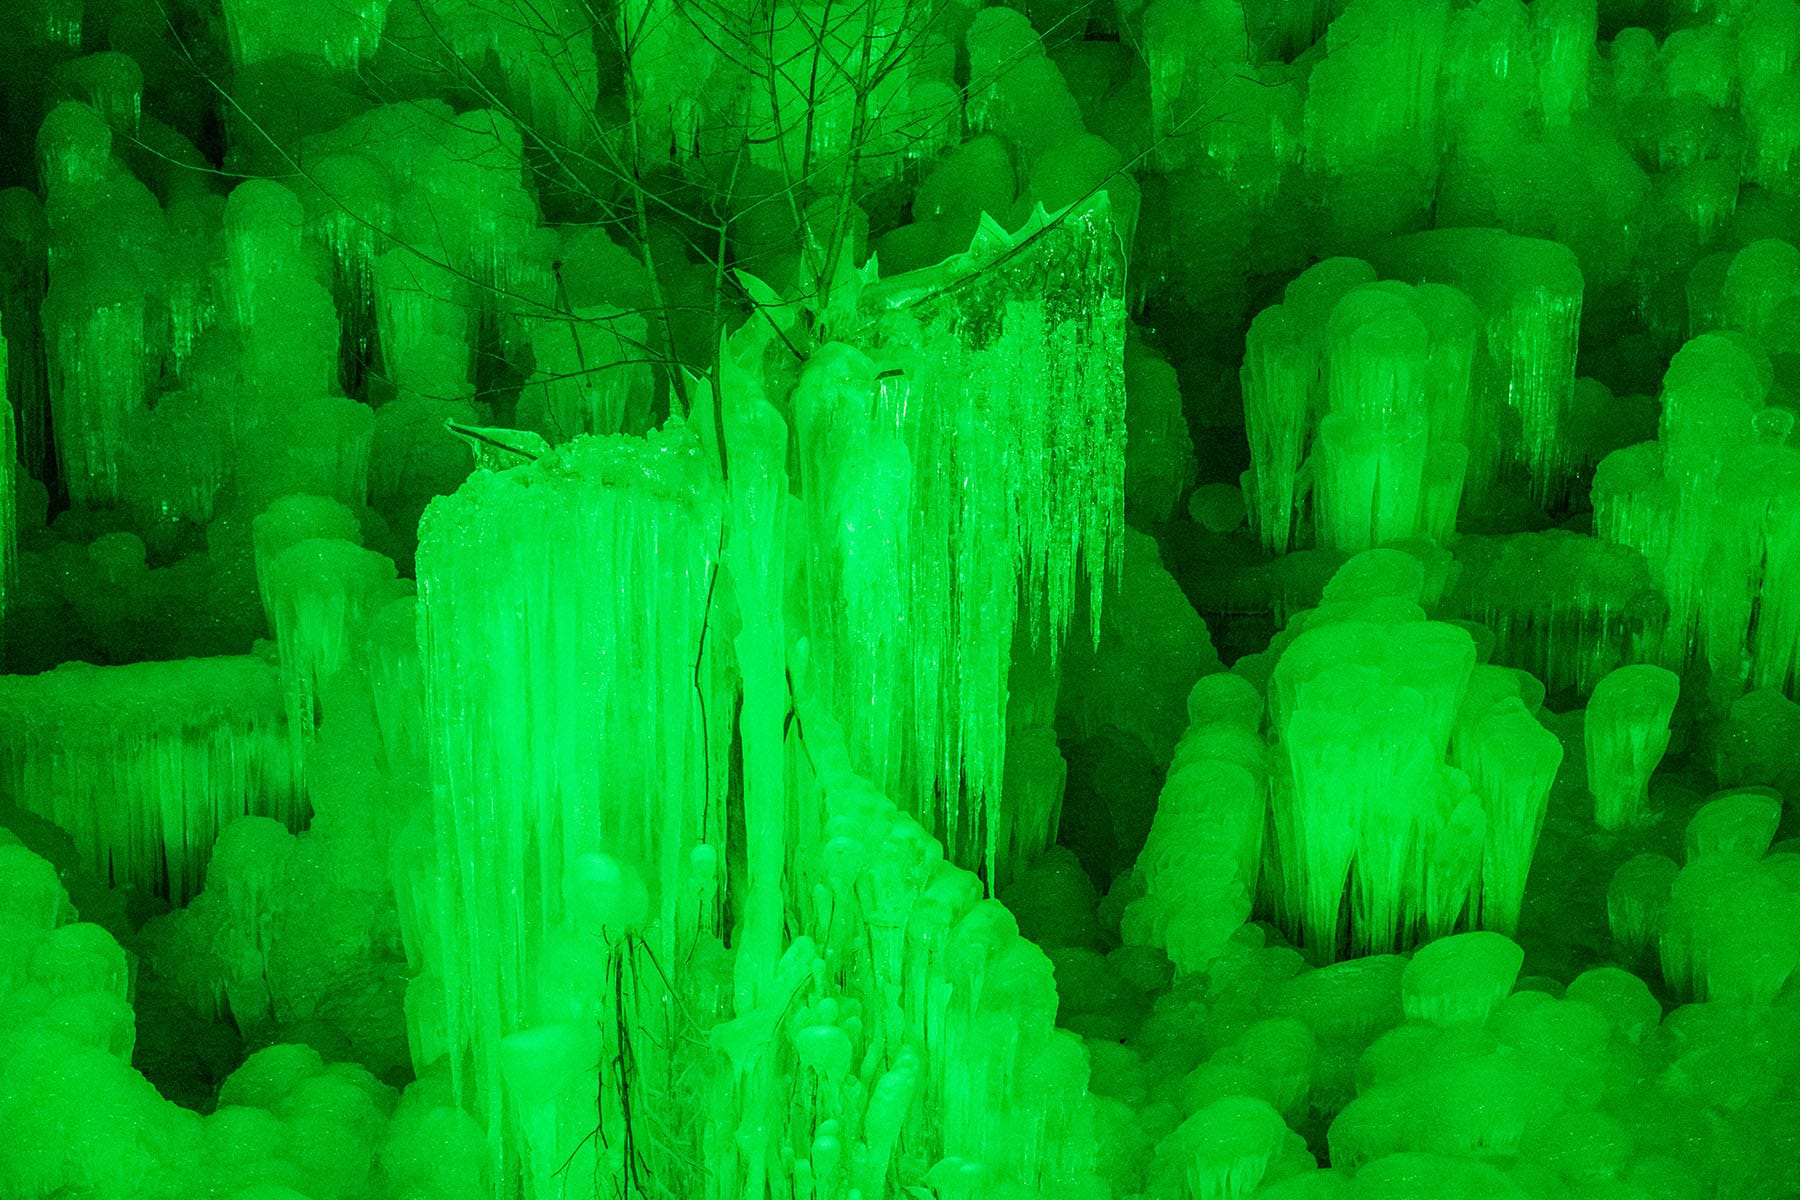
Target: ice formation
{"x": 579, "y": 795}
{"x": 1017, "y": 518}
{"x": 143, "y": 764}
{"x": 798, "y": 600}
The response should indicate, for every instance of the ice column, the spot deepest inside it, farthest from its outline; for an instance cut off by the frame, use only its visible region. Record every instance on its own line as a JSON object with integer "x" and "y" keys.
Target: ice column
{"x": 577, "y": 769}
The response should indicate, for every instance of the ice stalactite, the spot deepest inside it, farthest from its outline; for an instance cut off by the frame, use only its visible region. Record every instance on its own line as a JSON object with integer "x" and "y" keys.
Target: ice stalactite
{"x": 740, "y": 423}
{"x": 815, "y": 90}
{"x": 111, "y": 83}
{"x": 578, "y": 320}
{"x": 1036, "y": 773}
{"x": 1202, "y": 74}
{"x": 289, "y": 521}
{"x": 342, "y": 35}
{"x": 547, "y": 59}
{"x": 1409, "y": 783}
{"x": 1714, "y": 507}
{"x": 317, "y": 593}
{"x": 1511, "y": 761}
{"x": 193, "y": 282}
{"x": 1626, "y": 731}
{"x": 215, "y": 950}
{"x": 1564, "y": 606}
{"x": 424, "y": 315}
{"x": 143, "y": 764}
{"x": 350, "y": 206}
{"x": 1378, "y": 166}
{"x": 435, "y": 244}
{"x": 1357, "y": 404}
{"x": 283, "y": 313}
{"x": 1224, "y": 1151}
{"x": 103, "y": 314}
{"x": 578, "y": 764}
{"x": 1529, "y": 294}
{"x": 592, "y": 372}
{"x": 448, "y": 186}
{"x": 24, "y": 275}
{"x": 1015, "y": 88}
{"x": 1160, "y": 465}
{"x": 675, "y": 52}
{"x": 1391, "y": 451}
{"x": 467, "y": 204}
{"x": 9, "y": 514}
{"x": 1731, "y": 931}
{"x": 962, "y": 458}
{"x": 1283, "y": 389}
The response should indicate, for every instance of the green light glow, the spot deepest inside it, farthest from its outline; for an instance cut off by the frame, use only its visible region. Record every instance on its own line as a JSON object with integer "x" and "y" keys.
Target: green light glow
{"x": 899, "y": 600}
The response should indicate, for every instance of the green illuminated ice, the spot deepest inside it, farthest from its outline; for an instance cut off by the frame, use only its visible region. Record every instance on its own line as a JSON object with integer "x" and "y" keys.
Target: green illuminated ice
{"x": 143, "y": 764}
{"x": 577, "y": 768}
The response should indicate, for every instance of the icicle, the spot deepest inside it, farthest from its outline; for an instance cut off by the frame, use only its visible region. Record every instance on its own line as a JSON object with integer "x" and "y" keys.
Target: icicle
{"x": 422, "y": 315}
{"x": 112, "y": 83}
{"x": 1280, "y": 373}
{"x": 1563, "y": 606}
{"x": 144, "y": 764}
{"x": 1529, "y": 293}
{"x": 396, "y": 682}
{"x": 1195, "y": 49}
{"x": 289, "y": 521}
{"x": 1370, "y": 457}
{"x": 1382, "y": 63}
{"x": 1512, "y": 761}
{"x": 563, "y": 619}
{"x": 74, "y": 146}
{"x": 97, "y": 382}
{"x": 1741, "y": 821}
{"x": 1224, "y": 1151}
{"x": 59, "y": 22}
{"x": 754, "y": 441}
{"x": 955, "y": 1058}
{"x": 1200, "y": 862}
{"x": 1724, "y": 555}
{"x": 808, "y": 115}
{"x": 1035, "y": 772}
{"x": 675, "y": 49}
{"x": 263, "y": 226}
{"x": 1405, "y": 776}
{"x": 176, "y": 462}
{"x": 1732, "y": 930}
{"x": 1634, "y": 503}
{"x": 193, "y": 300}
{"x": 592, "y": 373}
{"x": 9, "y": 517}
{"x": 1460, "y": 980}
{"x": 318, "y": 591}
{"x": 107, "y": 257}
{"x": 1626, "y": 731}
{"x": 350, "y": 205}
{"x": 1375, "y": 378}
{"x": 341, "y": 35}
{"x": 987, "y": 411}
{"x": 466, "y": 208}
{"x": 1772, "y": 122}
{"x": 1637, "y": 904}
{"x": 1564, "y": 31}
{"x": 284, "y": 317}
{"x": 1760, "y": 281}
{"x": 25, "y": 236}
